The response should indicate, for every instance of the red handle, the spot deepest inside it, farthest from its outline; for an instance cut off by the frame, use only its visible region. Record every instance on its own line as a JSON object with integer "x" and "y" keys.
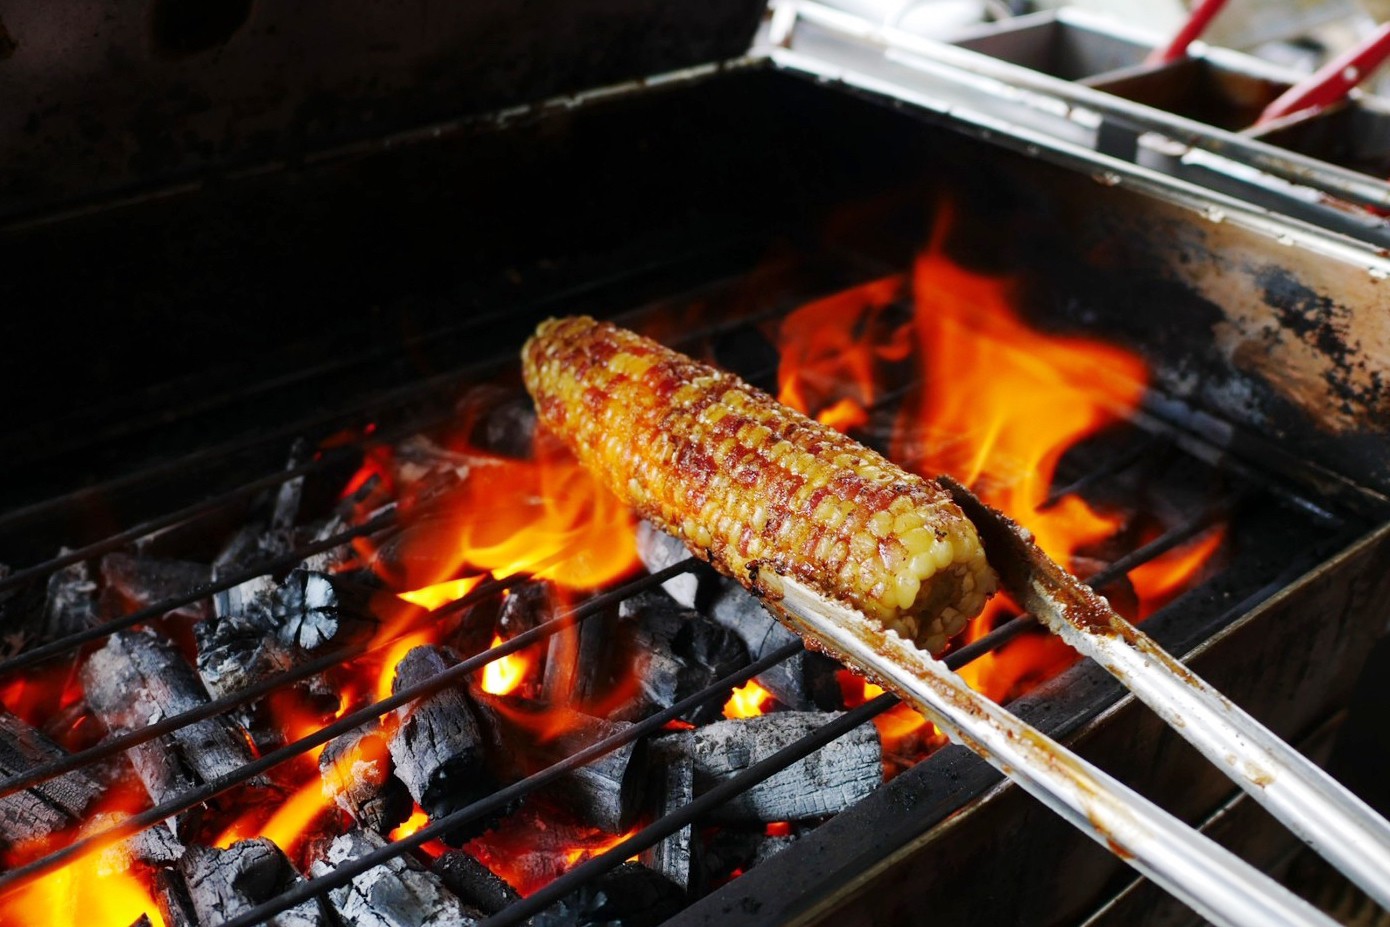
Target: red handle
{"x": 1197, "y": 21}
{"x": 1334, "y": 80}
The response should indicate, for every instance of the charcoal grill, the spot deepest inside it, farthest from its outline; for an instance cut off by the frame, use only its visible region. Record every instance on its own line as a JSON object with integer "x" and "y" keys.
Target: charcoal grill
{"x": 370, "y": 282}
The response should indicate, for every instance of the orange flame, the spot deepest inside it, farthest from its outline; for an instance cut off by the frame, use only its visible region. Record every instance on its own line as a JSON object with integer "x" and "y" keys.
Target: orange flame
{"x": 1162, "y": 578}
{"x": 549, "y": 517}
{"x": 88, "y": 890}
{"x": 746, "y": 701}
{"x": 504, "y": 675}
{"x": 1001, "y": 402}
{"x": 997, "y": 406}
{"x": 831, "y": 350}
{"x": 432, "y": 597}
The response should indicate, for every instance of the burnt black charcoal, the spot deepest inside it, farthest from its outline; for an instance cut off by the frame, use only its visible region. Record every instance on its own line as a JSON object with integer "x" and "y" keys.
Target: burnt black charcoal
{"x": 473, "y": 882}
{"x": 171, "y": 894}
{"x": 824, "y": 783}
{"x": 251, "y": 546}
{"x": 222, "y": 884}
{"x": 674, "y": 653}
{"x": 130, "y": 583}
{"x": 358, "y": 772}
{"x": 45, "y": 808}
{"x": 804, "y": 681}
{"x": 139, "y": 678}
{"x": 503, "y": 420}
{"x": 437, "y": 746}
{"x": 581, "y": 661}
{"x": 731, "y": 848}
{"x": 606, "y": 793}
{"x": 313, "y": 609}
{"x": 285, "y": 513}
{"x": 398, "y": 893}
{"x": 525, "y": 606}
{"x": 630, "y": 896}
{"x": 673, "y": 778}
{"x": 334, "y": 559}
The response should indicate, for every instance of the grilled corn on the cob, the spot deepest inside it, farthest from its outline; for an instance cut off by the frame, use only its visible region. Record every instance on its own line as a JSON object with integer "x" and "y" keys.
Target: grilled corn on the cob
{"x": 746, "y": 482}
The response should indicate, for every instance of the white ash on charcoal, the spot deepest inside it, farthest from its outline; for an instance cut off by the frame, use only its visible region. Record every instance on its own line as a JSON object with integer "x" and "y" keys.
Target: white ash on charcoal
{"x": 526, "y": 737}
{"x": 138, "y": 678}
{"x": 630, "y": 895}
{"x": 262, "y": 628}
{"x": 217, "y": 885}
{"x": 659, "y": 550}
{"x": 131, "y": 583}
{"x": 474, "y": 883}
{"x": 149, "y": 847}
{"x": 828, "y": 781}
{"x": 72, "y": 601}
{"x": 437, "y": 746}
{"x": 49, "y": 806}
{"x": 398, "y": 893}
{"x": 673, "y": 653}
{"x": 673, "y": 787}
{"x": 804, "y": 681}
{"x": 359, "y": 775}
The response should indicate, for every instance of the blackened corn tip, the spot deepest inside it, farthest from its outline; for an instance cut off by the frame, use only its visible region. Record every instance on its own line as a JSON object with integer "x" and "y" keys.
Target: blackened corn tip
{"x": 744, "y": 480}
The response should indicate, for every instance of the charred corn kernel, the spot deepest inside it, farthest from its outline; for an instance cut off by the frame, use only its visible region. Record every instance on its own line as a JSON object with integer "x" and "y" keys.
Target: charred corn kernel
{"x": 748, "y": 483}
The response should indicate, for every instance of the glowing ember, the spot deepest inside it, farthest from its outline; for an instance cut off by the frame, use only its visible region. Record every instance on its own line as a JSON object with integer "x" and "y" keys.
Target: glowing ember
{"x": 531, "y": 848}
{"x": 417, "y": 820}
{"x": 746, "y": 701}
{"x": 504, "y": 675}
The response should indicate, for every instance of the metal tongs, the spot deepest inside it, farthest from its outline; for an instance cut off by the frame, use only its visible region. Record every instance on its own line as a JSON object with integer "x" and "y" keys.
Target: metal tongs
{"x": 1214, "y": 882}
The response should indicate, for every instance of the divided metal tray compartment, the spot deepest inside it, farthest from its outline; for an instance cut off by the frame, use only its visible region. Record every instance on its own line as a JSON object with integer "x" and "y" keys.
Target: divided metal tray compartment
{"x": 991, "y": 71}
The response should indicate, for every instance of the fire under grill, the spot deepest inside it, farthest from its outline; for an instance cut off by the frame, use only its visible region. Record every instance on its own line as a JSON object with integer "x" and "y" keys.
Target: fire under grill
{"x": 219, "y": 669}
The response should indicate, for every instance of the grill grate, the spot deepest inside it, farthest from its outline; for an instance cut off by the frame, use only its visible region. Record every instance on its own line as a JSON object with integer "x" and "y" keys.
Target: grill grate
{"x": 1115, "y": 464}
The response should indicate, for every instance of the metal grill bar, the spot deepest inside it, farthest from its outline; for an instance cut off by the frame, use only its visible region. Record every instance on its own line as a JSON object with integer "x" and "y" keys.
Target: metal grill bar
{"x": 139, "y": 530}
{"x": 46, "y": 652}
{"x": 123, "y": 742}
{"x": 649, "y": 835}
{"x": 454, "y": 674}
{"x": 656, "y": 832}
{"x": 341, "y": 875}
{"x": 673, "y": 822}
